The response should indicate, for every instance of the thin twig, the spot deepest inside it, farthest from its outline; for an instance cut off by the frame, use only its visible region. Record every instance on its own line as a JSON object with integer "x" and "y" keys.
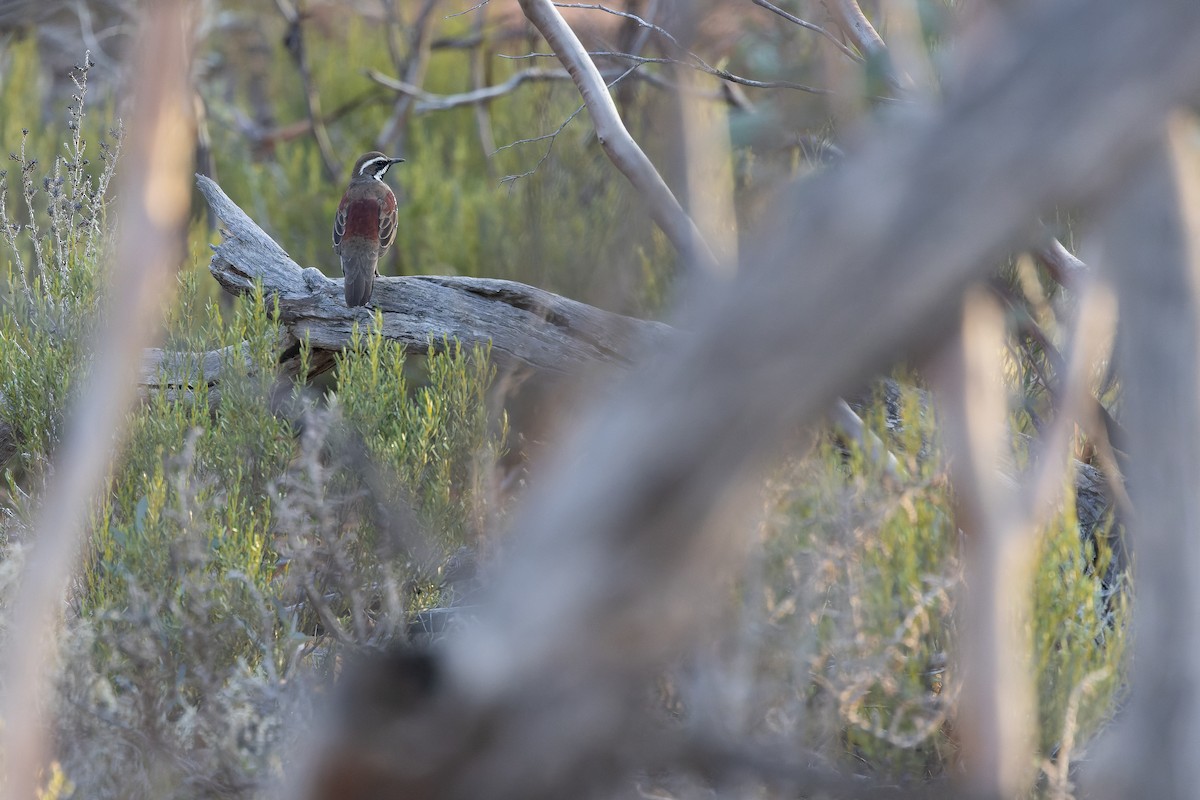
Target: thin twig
{"x": 696, "y": 64}
{"x": 475, "y": 7}
{"x": 810, "y": 26}
{"x": 428, "y": 101}
{"x": 553, "y": 137}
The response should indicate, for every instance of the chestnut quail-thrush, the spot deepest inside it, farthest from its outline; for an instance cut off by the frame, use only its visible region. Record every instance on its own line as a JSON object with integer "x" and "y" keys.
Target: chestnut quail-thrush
{"x": 365, "y": 225}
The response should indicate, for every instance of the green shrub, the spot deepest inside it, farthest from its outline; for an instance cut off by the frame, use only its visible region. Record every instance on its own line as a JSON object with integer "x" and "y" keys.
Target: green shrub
{"x": 214, "y": 577}
{"x": 862, "y": 579}
{"x": 437, "y": 437}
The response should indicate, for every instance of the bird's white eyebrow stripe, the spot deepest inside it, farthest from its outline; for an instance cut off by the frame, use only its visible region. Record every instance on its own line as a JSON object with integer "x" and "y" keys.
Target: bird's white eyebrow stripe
{"x": 376, "y": 160}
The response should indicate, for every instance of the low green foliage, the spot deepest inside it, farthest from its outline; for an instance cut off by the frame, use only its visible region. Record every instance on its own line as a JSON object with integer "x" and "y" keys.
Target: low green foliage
{"x": 862, "y": 585}
{"x": 231, "y": 547}
{"x": 1080, "y": 618}
{"x": 421, "y": 433}
{"x": 191, "y": 470}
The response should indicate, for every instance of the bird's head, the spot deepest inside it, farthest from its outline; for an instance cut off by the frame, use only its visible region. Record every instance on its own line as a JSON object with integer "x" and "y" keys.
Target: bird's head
{"x": 372, "y": 166}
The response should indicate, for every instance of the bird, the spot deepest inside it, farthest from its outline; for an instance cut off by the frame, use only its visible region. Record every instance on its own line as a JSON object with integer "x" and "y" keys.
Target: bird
{"x": 365, "y": 224}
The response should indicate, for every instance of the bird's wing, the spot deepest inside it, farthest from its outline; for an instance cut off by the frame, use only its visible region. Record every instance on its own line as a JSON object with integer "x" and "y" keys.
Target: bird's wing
{"x": 339, "y": 224}
{"x": 387, "y": 221}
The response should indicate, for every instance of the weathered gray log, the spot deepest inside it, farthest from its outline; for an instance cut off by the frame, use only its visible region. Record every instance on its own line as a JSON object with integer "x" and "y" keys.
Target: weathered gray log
{"x": 525, "y": 326}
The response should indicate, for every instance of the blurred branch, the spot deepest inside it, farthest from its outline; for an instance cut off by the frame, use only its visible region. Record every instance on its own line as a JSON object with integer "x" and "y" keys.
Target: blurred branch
{"x": 1061, "y": 263}
{"x": 394, "y": 23}
{"x": 419, "y": 35}
{"x": 997, "y": 701}
{"x": 1105, "y": 431}
{"x": 480, "y": 66}
{"x": 267, "y": 137}
{"x": 620, "y": 147}
{"x": 1001, "y": 520}
{"x": 857, "y": 28}
{"x": 852, "y": 426}
{"x": 154, "y": 196}
{"x": 1151, "y": 250}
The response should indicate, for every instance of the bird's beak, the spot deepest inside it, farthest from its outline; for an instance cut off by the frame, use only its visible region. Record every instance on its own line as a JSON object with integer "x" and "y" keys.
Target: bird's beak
{"x": 395, "y": 160}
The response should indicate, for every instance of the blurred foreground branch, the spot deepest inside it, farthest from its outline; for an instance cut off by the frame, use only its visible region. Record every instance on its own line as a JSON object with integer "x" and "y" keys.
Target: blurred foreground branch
{"x": 1152, "y": 250}
{"x": 153, "y": 207}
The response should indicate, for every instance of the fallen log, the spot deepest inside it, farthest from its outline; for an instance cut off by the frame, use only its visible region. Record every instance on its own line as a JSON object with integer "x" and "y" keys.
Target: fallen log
{"x": 525, "y": 326}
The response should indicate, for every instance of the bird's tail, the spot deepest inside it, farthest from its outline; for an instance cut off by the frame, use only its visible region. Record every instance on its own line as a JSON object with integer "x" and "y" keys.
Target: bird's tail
{"x": 360, "y": 279}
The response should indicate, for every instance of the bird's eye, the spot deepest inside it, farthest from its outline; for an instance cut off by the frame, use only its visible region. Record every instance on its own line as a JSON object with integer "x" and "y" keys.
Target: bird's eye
{"x": 372, "y": 167}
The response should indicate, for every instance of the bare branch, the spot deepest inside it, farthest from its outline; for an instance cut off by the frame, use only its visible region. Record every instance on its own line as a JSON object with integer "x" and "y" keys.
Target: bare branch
{"x": 295, "y": 46}
{"x": 419, "y": 36}
{"x": 1001, "y": 520}
{"x": 1061, "y": 263}
{"x": 479, "y": 79}
{"x": 427, "y": 101}
{"x": 615, "y": 139}
{"x": 695, "y": 63}
{"x": 858, "y": 29}
{"x": 852, "y": 426}
{"x": 810, "y": 26}
{"x": 998, "y": 694}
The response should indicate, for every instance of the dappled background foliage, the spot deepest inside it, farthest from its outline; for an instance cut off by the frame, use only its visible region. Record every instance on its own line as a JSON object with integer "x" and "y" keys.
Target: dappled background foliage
{"x": 249, "y": 542}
